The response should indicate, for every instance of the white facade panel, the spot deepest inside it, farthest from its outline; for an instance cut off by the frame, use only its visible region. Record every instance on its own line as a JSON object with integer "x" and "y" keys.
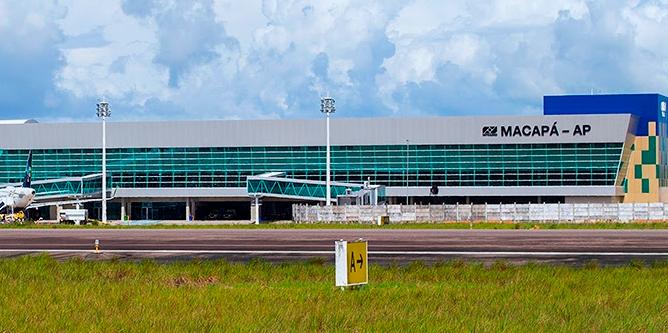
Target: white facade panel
{"x": 351, "y": 131}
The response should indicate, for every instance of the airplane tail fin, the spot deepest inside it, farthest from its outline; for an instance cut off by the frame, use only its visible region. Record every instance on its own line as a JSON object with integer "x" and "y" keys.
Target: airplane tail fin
{"x": 27, "y": 180}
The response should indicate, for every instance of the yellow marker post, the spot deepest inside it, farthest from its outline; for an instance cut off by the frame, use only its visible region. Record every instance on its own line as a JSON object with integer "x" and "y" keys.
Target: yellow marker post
{"x": 352, "y": 264}
{"x": 97, "y": 246}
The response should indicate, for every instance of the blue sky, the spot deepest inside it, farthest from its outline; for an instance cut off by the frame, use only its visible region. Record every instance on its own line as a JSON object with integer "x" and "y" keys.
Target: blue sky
{"x": 230, "y": 59}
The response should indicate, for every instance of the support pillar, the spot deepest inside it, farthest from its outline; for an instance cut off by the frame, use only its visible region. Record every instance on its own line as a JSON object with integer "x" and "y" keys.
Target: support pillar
{"x": 193, "y": 209}
{"x": 53, "y": 213}
{"x": 123, "y": 210}
{"x": 58, "y": 209}
{"x": 188, "y": 209}
{"x": 255, "y": 213}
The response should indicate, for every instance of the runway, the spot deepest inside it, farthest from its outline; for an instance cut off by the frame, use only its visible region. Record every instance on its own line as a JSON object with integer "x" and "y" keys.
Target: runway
{"x": 385, "y": 246}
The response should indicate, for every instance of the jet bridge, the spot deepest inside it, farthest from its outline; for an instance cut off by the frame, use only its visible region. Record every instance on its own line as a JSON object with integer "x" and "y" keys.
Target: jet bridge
{"x": 90, "y": 185}
{"x": 85, "y": 186}
{"x": 68, "y": 190}
{"x": 274, "y": 184}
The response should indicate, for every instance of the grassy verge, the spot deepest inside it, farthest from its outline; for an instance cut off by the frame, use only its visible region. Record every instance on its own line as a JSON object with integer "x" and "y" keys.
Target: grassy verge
{"x": 41, "y": 294}
{"x": 537, "y": 225}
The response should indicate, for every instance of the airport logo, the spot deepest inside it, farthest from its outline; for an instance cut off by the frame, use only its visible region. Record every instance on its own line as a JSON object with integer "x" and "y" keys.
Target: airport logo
{"x": 535, "y": 130}
{"x": 490, "y": 131}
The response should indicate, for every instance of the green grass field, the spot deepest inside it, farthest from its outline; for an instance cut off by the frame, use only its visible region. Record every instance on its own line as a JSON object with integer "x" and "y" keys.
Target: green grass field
{"x": 352, "y": 225}
{"x": 42, "y": 295}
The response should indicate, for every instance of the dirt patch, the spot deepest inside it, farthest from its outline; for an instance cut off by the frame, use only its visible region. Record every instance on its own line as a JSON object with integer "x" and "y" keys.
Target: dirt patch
{"x": 188, "y": 281}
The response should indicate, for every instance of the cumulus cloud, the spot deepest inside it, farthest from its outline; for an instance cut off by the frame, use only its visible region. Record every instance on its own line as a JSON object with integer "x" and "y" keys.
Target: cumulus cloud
{"x": 188, "y": 36}
{"x": 274, "y": 59}
{"x": 29, "y": 57}
{"x": 479, "y": 57}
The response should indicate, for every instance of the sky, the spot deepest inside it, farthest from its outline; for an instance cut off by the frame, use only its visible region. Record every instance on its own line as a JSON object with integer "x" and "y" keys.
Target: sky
{"x": 268, "y": 59}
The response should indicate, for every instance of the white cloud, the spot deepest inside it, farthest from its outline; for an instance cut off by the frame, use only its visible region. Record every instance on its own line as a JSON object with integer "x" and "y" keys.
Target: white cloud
{"x": 526, "y": 14}
{"x": 496, "y": 49}
{"x": 268, "y": 73}
{"x": 240, "y": 18}
{"x": 28, "y": 56}
{"x": 272, "y": 59}
{"x": 122, "y": 67}
{"x": 650, "y": 22}
{"x": 338, "y": 71}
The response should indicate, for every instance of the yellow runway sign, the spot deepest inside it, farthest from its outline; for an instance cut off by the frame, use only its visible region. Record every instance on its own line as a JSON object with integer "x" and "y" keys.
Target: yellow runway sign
{"x": 357, "y": 263}
{"x": 352, "y": 267}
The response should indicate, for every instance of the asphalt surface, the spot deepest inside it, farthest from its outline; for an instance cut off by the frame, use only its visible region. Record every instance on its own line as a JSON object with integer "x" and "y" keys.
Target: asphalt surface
{"x": 385, "y": 246}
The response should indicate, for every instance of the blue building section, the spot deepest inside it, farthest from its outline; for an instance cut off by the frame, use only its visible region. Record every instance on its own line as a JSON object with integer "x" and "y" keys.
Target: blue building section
{"x": 647, "y": 107}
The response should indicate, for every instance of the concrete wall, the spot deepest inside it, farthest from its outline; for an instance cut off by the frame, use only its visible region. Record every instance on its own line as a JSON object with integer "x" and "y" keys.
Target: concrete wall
{"x": 535, "y": 213}
{"x": 598, "y": 200}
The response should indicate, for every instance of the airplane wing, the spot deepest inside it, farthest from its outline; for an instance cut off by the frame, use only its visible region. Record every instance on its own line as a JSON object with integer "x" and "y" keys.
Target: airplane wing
{"x": 5, "y": 185}
{"x": 61, "y": 202}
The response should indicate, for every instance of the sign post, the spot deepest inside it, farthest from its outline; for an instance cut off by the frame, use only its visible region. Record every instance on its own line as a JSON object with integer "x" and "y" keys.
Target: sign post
{"x": 352, "y": 265}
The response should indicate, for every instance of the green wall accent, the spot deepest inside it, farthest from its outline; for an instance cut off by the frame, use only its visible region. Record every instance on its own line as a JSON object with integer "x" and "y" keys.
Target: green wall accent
{"x": 649, "y": 156}
{"x": 638, "y": 171}
{"x": 645, "y": 186}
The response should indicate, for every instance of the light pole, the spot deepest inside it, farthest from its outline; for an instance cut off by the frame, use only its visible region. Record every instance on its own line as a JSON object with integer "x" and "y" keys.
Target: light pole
{"x": 104, "y": 112}
{"x": 327, "y": 107}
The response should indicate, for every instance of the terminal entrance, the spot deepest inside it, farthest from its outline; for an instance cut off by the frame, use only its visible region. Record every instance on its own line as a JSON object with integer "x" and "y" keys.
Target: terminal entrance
{"x": 238, "y": 210}
{"x": 157, "y": 210}
{"x": 95, "y": 210}
{"x": 222, "y": 210}
{"x": 276, "y": 211}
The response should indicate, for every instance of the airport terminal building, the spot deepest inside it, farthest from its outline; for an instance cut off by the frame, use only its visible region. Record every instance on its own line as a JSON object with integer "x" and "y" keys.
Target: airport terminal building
{"x": 584, "y": 148}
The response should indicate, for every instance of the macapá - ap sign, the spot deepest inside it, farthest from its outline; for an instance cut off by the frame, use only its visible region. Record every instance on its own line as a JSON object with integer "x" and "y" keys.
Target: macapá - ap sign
{"x": 352, "y": 266}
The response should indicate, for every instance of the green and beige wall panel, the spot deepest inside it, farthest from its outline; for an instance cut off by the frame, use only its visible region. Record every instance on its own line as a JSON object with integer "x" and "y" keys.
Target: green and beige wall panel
{"x": 642, "y": 181}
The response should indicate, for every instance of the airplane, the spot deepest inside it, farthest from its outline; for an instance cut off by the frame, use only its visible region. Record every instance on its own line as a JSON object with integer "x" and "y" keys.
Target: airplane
{"x": 18, "y": 198}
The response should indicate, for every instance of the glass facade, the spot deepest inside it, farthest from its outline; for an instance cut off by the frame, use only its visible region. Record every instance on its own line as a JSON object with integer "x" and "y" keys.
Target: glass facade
{"x": 580, "y": 164}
